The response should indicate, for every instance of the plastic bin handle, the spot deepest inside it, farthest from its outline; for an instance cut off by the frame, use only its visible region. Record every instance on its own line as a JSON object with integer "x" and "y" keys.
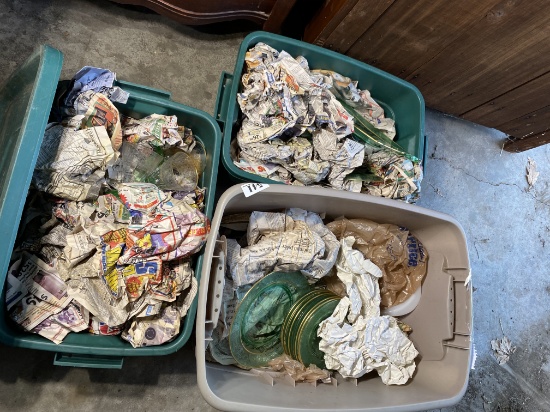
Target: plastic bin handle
{"x": 139, "y": 89}
{"x": 222, "y": 98}
{"x": 88, "y": 361}
{"x": 215, "y": 287}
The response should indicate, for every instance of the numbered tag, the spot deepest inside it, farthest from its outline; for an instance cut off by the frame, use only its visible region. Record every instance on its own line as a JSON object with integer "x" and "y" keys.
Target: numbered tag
{"x": 250, "y": 189}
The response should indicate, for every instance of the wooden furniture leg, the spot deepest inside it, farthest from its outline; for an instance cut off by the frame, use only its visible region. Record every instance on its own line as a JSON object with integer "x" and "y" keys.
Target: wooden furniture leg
{"x": 278, "y": 15}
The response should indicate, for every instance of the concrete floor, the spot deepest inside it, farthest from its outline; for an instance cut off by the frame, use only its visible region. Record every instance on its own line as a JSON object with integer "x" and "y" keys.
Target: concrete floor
{"x": 467, "y": 176}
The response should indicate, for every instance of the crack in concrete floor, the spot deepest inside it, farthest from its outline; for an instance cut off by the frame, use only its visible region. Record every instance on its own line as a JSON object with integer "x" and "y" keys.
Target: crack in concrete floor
{"x": 456, "y": 167}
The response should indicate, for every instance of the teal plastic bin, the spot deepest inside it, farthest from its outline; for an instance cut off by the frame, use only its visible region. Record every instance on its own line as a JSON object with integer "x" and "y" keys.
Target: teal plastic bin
{"x": 400, "y": 100}
{"x": 25, "y": 102}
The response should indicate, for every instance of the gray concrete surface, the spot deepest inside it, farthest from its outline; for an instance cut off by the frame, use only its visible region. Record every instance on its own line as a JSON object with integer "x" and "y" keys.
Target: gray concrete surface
{"x": 467, "y": 176}
{"x": 508, "y": 232}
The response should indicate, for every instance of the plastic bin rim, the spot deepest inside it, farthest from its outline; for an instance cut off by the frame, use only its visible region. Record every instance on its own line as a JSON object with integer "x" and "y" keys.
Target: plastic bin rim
{"x": 192, "y": 110}
{"x": 236, "y": 189}
{"x": 257, "y": 36}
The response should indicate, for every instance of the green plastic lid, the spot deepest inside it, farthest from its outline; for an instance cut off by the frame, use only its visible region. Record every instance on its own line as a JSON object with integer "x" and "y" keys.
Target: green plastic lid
{"x": 25, "y": 103}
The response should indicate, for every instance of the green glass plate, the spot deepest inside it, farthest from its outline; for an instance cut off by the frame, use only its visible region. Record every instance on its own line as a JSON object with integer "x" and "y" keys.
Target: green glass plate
{"x": 296, "y": 312}
{"x": 292, "y": 341}
{"x": 255, "y": 335}
{"x": 301, "y": 322}
{"x": 309, "y": 351}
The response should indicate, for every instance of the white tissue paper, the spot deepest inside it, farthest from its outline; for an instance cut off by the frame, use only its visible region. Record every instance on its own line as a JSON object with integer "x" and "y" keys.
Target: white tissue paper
{"x": 355, "y": 338}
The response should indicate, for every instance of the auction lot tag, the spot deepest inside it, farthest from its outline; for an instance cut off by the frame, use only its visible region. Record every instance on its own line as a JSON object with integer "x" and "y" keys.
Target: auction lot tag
{"x": 250, "y": 189}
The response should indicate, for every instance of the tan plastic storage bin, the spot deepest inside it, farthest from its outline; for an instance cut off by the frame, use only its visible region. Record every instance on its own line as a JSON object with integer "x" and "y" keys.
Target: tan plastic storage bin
{"x": 442, "y": 321}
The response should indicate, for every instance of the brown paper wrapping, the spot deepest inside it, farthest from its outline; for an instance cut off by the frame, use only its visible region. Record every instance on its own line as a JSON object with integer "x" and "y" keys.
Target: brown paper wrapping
{"x": 399, "y": 254}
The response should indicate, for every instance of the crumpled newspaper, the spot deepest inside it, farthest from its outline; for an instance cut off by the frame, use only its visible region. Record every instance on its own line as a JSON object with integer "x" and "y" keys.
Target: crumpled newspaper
{"x": 361, "y": 277}
{"x": 51, "y": 330}
{"x": 100, "y": 328}
{"x": 398, "y": 176}
{"x": 141, "y": 197}
{"x": 280, "y": 101}
{"x": 285, "y": 161}
{"x": 72, "y": 164}
{"x": 361, "y": 100}
{"x": 293, "y": 241}
{"x": 175, "y": 229}
{"x": 131, "y": 261}
{"x": 343, "y": 156}
{"x": 295, "y": 130}
{"x": 40, "y": 300}
{"x": 158, "y": 329}
{"x": 94, "y": 109}
{"x": 156, "y": 129}
{"x": 91, "y": 293}
{"x": 74, "y": 318}
{"x": 76, "y": 153}
{"x": 91, "y": 238}
{"x": 355, "y": 339}
{"x": 40, "y": 280}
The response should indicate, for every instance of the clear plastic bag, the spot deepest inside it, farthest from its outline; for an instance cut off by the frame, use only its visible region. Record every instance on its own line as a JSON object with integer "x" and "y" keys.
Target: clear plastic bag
{"x": 297, "y": 370}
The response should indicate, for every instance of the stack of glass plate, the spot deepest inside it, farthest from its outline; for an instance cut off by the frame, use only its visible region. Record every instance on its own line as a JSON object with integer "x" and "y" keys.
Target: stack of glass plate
{"x": 255, "y": 334}
{"x": 299, "y": 330}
